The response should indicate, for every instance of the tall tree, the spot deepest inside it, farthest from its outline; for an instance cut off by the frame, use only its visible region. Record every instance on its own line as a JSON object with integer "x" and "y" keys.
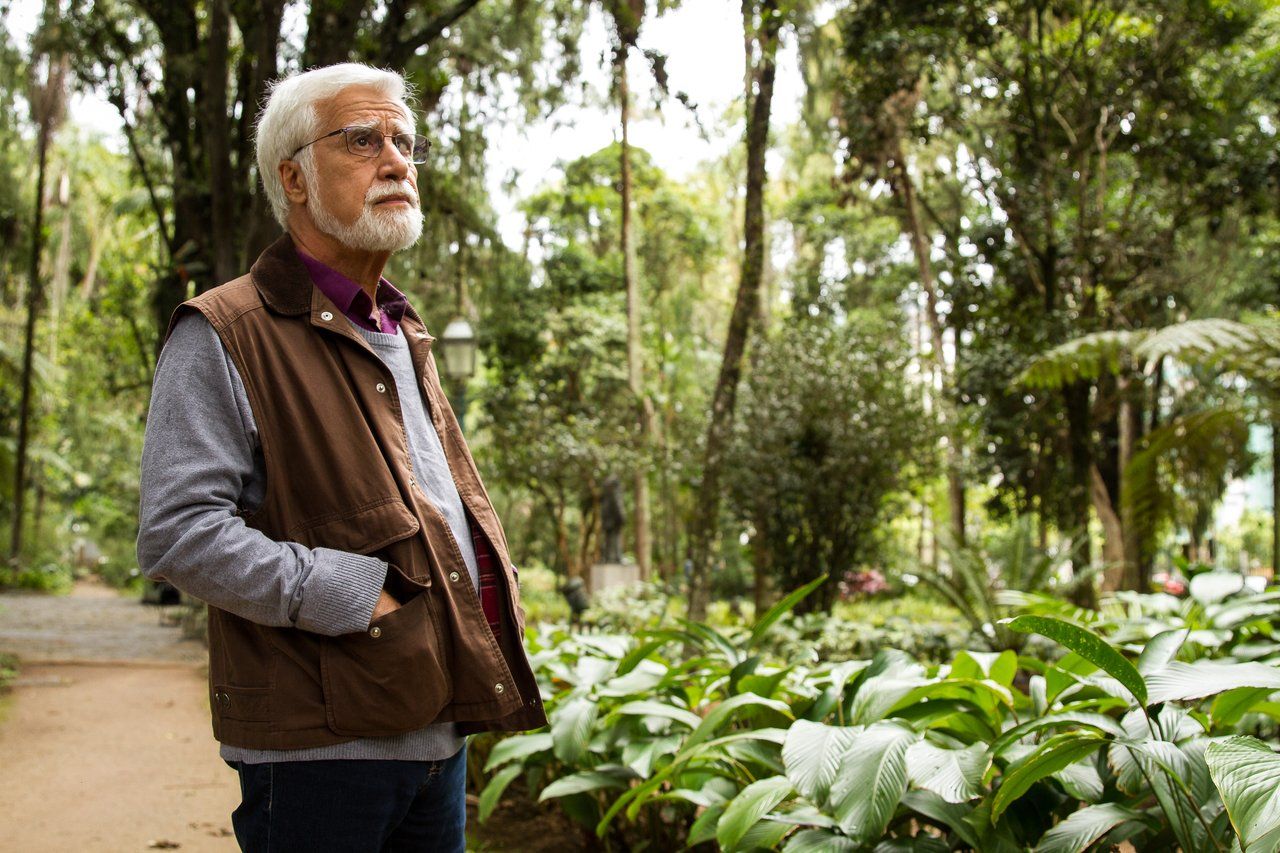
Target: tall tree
{"x": 762, "y": 23}
{"x": 627, "y": 18}
{"x": 48, "y": 99}
{"x": 199, "y": 71}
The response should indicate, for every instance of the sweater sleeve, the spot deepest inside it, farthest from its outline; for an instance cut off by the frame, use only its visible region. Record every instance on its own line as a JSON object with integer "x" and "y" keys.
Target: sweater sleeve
{"x": 198, "y": 457}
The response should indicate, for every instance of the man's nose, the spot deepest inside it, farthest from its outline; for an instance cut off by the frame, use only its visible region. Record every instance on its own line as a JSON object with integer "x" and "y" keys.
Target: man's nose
{"x": 392, "y": 165}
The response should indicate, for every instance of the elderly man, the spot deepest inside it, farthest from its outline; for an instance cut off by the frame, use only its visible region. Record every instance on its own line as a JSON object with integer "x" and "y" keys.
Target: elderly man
{"x": 304, "y": 475}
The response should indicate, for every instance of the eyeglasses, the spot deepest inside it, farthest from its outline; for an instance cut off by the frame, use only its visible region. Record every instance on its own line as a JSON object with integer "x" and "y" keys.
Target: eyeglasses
{"x": 368, "y": 142}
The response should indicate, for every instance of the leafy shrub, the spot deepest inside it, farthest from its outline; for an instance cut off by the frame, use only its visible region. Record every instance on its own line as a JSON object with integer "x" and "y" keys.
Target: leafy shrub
{"x": 8, "y": 670}
{"x": 670, "y": 738}
{"x": 47, "y": 577}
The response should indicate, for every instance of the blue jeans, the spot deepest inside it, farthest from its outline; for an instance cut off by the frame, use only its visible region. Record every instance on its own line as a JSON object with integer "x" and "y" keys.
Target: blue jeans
{"x": 353, "y": 806}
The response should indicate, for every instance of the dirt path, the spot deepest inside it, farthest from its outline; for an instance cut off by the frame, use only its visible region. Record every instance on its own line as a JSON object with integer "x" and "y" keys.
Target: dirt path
{"x": 105, "y": 742}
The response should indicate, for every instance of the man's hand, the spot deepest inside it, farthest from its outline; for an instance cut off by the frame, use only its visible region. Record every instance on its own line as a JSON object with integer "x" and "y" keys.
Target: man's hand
{"x": 386, "y": 604}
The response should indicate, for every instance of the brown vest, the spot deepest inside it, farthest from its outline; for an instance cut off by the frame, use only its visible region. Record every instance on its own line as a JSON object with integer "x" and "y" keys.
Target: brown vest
{"x": 339, "y": 476}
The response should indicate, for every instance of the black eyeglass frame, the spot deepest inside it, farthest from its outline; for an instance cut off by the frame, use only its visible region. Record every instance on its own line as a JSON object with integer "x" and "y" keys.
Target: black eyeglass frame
{"x": 415, "y": 156}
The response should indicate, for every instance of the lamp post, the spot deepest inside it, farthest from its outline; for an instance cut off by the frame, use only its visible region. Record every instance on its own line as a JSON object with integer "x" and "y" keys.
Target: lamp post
{"x": 458, "y": 352}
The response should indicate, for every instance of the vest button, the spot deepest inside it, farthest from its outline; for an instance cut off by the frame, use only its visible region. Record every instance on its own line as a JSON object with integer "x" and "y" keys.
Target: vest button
{"x": 453, "y": 576}
{"x": 375, "y": 632}
{"x": 382, "y": 389}
{"x": 498, "y": 688}
{"x": 326, "y": 315}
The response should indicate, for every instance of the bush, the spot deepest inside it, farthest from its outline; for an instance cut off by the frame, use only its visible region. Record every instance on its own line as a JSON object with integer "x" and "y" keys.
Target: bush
{"x": 668, "y": 738}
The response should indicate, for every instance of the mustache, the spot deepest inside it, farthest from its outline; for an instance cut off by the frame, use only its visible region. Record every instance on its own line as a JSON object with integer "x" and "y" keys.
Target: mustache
{"x": 378, "y": 192}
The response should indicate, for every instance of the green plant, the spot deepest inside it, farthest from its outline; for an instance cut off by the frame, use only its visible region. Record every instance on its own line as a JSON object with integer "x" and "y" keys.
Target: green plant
{"x": 684, "y": 736}
{"x": 974, "y": 577}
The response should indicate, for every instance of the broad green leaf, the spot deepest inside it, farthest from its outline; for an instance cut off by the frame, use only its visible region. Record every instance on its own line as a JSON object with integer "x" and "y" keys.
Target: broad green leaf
{"x": 1053, "y": 755}
{"x": 765, "y": 835}
{"x": 571, "y": 728}
{"x": 1081, "y": 780}
{"x": 953, "y": 774}
{"x": 1160, "y": 650}
{"x": 492, "y": 793}
{"x": 729, "y": 708}
{"x": 648, "y": 708}
{"x": 994, "y": 835}
{"x": 1101, "y": 722}
{"x": 639, "y": 653}
{"x": 1167, "y": 767}
{"x": 745, "y": 810}
{"x": 634, "y": 798}
{"x": 871, "y": 780}
{"x": 587, "y": 780}
{"x": 812, "y": 753}
{"x": 1247, "y": 774}
{"x": 1000, "y": 667}
{"x": 1082, "y": 828}
{"x": 1179, "y": 680}
{"x": 882, "y": 690}
{"x": 1229, "y": 707}
{"x": 819, "y": 841}
{"x": 1089, "y": 646}
{"x": 704, "y": 828}
{"x": 1212, "y": 587}
{"x": 517, "y": 746}
{"x": 939, "y": 811}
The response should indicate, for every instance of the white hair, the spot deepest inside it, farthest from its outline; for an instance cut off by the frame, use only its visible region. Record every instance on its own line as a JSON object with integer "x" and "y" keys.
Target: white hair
{"x": 289, "y": 118}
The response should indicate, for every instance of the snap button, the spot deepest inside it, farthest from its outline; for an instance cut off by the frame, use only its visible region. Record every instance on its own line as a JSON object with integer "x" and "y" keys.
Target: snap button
{"x": 382, "y": 389}
{"x": 498, "y": 688}
{"x": 453, "y": 576}
{"x": 375, "y": 632}
{"x": 326, "y": 315}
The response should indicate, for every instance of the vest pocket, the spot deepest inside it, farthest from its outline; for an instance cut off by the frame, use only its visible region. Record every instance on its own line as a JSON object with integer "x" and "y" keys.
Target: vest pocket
{"x": 387, "y": 679}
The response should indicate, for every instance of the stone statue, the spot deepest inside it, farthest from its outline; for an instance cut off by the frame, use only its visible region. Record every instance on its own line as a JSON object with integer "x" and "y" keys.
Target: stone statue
{"x": 612, "y": 519}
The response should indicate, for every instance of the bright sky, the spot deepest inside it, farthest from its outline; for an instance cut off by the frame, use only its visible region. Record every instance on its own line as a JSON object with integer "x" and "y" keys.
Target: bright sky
{"x": 703, "y": 43}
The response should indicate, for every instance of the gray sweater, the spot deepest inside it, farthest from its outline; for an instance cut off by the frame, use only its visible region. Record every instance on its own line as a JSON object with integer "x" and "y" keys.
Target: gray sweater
{"x": 201, "y": 461}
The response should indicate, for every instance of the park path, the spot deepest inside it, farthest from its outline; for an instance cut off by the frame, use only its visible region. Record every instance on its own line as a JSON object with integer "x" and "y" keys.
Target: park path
{"x": 105, "y": 743}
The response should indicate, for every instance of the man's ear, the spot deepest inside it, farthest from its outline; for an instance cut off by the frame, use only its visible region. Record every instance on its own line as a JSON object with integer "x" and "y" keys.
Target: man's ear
{"x": 293, "y": 181}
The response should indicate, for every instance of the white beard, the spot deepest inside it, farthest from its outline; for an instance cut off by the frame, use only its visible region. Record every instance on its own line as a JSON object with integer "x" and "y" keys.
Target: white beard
{"x": 375, "y": 230}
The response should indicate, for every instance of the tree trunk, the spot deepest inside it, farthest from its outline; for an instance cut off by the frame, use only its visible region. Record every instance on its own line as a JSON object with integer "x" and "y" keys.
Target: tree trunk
{"x": 705, "y": 522}
{"x": 35, "y": 296}
{"x": 1112, "y": 531}
{"x": 635, "y": 357}
{"x": 904, "y": 188}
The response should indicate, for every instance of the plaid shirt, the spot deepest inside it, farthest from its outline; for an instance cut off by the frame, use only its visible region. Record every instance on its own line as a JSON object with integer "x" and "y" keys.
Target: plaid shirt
{"x": 487, "y": 562}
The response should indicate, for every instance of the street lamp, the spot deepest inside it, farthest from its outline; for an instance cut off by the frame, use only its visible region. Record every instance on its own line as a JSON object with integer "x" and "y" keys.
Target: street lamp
{"x": 458, "y": 352}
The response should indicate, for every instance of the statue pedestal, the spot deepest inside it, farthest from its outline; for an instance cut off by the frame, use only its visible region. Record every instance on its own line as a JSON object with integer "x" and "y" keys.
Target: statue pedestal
{"x": 607, "y": 575}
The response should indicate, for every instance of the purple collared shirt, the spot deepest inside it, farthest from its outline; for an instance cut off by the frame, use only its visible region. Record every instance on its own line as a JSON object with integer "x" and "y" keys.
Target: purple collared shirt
{"x": 353, "y": 301}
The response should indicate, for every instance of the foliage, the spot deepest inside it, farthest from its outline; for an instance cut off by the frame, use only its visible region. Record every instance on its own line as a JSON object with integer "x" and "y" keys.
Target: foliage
{"x": 556, "y": 352}
{"x": 828, "y": 435}
{"x": 976, "y": 576}
{"x": 686, "y": 736}
{"x": 8, "y": 670}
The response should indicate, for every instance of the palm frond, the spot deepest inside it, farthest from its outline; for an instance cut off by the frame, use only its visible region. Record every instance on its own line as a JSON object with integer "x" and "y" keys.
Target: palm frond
{"x": 1209, "y": 341}
{"x": 1213, "y": 437}
{"x": 1087, "y": 357}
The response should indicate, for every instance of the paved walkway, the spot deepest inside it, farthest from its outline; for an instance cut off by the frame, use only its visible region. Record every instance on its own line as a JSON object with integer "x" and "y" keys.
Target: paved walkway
{"x": 105, "y": 742}
{"x": 93, "y": 623}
